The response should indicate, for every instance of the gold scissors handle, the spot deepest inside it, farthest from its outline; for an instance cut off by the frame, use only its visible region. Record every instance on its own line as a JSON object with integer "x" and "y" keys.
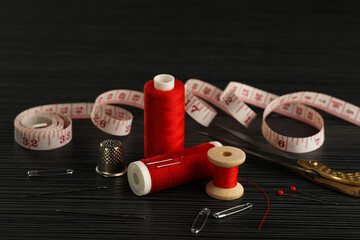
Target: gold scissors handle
{"x": 348, "y": 183}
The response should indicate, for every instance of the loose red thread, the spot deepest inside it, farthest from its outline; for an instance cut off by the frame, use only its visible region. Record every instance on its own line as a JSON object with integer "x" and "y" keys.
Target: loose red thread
{"x": 267, "y": 199}
{"x": 164, "y": 119}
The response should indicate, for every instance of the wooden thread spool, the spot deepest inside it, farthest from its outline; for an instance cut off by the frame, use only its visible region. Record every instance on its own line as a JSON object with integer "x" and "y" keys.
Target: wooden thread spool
{"x": 225, "y": 186}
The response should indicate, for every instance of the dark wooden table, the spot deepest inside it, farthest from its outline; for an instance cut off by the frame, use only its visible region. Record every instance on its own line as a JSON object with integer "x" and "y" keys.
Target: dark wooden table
{"x": 72, "y": 52}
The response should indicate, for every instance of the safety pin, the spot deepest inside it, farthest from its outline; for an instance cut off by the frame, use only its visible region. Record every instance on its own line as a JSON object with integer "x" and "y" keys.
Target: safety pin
{"x": 226, "y": 212}
{"x": 204, "y": 211}
{"x": 49, "y": 172}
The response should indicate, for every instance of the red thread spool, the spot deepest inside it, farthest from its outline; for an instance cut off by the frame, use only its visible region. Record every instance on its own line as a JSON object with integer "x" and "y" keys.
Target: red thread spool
{"x": 225, "y": 186}
{"x": 164, "y": 115}
{"x": 170, "y": 170}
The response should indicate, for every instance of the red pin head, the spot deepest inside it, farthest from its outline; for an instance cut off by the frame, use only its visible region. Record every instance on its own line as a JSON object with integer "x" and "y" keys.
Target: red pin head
{"x": 293, "y": 188}
{"x": 280, "y": 192}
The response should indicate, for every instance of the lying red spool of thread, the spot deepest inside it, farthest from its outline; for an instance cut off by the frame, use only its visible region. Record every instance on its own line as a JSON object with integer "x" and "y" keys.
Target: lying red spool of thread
{"x": 225, "y": 186}
{"x": 164, "y": 115}
{"x": 170, "y": 170}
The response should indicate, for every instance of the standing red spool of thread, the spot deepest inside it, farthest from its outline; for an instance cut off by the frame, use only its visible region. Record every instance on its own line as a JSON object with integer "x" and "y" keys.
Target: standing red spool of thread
{"x": 225, "y": 186}
{"x": 164, "y": 115}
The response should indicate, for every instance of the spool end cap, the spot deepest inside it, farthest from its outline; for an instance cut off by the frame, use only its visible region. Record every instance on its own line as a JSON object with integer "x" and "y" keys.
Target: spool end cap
{"x": 164, "y": 82}
{"x": 226, "y": 156}
{"x": 224, "y": 193}
{"x": 139, "y": 178}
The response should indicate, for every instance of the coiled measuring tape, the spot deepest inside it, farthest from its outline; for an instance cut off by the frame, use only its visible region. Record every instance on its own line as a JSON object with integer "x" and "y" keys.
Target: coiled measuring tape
{"x": 50, "y": 126}
{"x": 232, "y": 100}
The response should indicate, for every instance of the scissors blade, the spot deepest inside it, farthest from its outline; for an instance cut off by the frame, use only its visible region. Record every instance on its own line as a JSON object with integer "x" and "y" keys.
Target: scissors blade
{"x": 261, "y": 146}
{"x": 279, "y": 160}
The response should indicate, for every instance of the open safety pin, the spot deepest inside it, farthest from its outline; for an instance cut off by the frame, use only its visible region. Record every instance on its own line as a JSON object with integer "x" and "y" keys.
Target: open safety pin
{"x": 204, "y": 211}
{"x": 226, "y": 212}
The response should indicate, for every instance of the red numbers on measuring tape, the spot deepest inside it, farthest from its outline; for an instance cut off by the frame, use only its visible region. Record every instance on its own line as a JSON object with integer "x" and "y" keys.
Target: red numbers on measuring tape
{"x": 96, "y": 118}
{"x": 228, "y": 100}
{"x": 122, "y": 96}
{"x": 65, "y": 138}
{"x": 79, "y": 110}
{"x": 258, "y": 97}
{"x": 33, "y": 142}
{"x": 135, "y": 98}
{"x": 336, "y": 104}
{"x": 108, "y": 111}
{"x": 206, "y": 90}
{"x": 299, "y": 110}
{"x": 103, "y": 123}
{"x": 64, "y": 110}
{"x": 194, "y": 108}
{"x": 350, "y": 112}
{"x": 247, "y": 120}
{"x": 121, "y": 115}
{"x": 109, "y": 97}
{"x": 310, "y": 115}
{"x": 281, "y": 143}
{"x": 245, "y": 92}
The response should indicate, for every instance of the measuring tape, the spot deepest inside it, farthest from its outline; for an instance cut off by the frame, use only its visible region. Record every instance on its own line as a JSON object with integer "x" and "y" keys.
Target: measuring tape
{"x": 232, "y": 100}
{"x": 50, "y": 126}
{"x": 204, "y": 113}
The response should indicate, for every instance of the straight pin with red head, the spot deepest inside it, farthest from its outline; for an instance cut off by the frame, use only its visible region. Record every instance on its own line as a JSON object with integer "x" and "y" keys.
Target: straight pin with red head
{"x": 293, "y": 189}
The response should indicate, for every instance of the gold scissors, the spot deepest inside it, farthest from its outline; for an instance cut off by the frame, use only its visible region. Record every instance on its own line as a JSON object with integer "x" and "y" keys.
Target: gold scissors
{"x": 347, "y": 183}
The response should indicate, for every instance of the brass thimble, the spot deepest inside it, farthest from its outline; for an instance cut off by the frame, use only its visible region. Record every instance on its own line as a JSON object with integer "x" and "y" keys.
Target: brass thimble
{"x": 111, "y": 163}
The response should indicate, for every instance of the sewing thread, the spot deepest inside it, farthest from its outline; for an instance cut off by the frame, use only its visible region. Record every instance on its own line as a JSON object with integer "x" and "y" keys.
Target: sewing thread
{"x": 169, "y": 170}
{"x": 225, "y": 177}
{"x": 164, "y": 116}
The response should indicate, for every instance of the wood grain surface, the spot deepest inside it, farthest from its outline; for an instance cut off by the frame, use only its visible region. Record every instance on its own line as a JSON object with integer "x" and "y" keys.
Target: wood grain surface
{"x": 57, "y": 52}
